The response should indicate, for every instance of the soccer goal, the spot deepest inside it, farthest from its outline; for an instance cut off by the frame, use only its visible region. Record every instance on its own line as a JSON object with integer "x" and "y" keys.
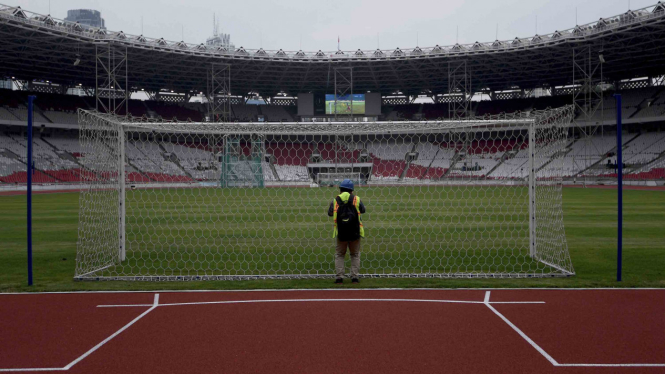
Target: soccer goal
{"x": 481, "y": 197}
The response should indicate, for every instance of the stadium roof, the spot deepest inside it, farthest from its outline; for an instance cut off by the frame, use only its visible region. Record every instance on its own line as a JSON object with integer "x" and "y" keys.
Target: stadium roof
{"x": 35, "y": 46}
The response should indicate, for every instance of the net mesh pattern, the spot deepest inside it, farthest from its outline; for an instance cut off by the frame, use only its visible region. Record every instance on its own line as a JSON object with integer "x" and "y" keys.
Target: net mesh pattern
{"x": 480, "y": 197}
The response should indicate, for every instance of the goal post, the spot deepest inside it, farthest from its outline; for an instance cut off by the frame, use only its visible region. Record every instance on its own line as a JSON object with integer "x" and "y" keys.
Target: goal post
{"x": 122, "y": 192}
{"x": 532, "y": 189}
{"x": 479, "y": 197}
{"x": 101, "y": 229}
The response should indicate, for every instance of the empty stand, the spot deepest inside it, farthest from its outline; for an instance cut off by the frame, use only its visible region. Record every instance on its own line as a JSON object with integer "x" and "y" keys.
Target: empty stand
{"x": 276, "y": 113}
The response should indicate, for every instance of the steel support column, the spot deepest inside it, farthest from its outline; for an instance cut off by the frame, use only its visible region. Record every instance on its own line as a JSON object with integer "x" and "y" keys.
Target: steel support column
{"x": 112, "y": 81}
{"x": 343, "y": 87}
{"x": 219, "y": 93}
{"x": 587, "y": 98}
{"x": 459, "y": 89}
{"x": 587, "y": 79}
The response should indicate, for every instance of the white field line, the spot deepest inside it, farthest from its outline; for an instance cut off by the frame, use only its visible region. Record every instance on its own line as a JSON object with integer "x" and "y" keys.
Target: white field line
{"x": 33, "y": 369}
{"x": 613, "y": 365}
{"x": 544, "y": 353}
{"x": 339, "y": 289}
{"x": 522, "y": 334}
{"x": 319, "y": 300}
{"x": 154, "y": 305}
{"x": 486, "y": 302}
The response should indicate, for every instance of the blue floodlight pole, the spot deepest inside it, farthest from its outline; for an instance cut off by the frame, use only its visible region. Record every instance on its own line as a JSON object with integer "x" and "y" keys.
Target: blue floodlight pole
{"x": 31, "y": 169}
{"x": 620, "y": 190}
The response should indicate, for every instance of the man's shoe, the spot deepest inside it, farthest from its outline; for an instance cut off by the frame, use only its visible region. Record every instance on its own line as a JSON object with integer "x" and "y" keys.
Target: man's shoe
{"x": 355, "y": 280}
{"x": 339, "y": 280}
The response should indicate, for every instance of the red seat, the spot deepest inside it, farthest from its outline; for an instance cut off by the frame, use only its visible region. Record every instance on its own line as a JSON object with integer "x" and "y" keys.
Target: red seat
{"x": 22, "y": 177}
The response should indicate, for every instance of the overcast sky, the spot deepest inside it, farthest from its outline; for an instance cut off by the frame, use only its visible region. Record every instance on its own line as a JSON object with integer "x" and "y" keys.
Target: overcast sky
{"x": 359, "y": 24}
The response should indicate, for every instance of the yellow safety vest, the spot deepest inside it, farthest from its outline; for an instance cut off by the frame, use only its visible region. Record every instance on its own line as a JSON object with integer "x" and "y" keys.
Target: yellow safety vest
{"x": 344, "y": 196}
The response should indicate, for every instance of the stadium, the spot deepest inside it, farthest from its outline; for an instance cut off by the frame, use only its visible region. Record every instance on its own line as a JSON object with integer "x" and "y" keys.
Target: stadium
{"x": 149, "y": 166}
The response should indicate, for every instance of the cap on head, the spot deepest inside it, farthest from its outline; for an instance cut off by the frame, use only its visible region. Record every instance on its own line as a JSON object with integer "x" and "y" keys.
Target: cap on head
{"x": 347, "y": 183}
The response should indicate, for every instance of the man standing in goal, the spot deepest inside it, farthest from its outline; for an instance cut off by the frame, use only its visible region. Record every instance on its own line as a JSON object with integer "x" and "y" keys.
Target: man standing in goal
{"x": 346, "y": 210}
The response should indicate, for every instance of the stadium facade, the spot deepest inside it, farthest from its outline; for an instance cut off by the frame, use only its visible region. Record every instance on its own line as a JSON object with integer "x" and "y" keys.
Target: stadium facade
{"x": 631, "y": 45}
{"x": 468, "y": 185}
{"x": 582, "y": 66}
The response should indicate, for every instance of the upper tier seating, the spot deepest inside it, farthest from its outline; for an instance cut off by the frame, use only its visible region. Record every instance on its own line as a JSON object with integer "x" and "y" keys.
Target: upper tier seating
{"x": 60, "y": 158}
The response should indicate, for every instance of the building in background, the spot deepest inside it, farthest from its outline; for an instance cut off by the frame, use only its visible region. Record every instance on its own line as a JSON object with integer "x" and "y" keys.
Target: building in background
{"x": 86, "y": 17}
{"x": 218, "y": 39}
{"x": 6, "y": 84}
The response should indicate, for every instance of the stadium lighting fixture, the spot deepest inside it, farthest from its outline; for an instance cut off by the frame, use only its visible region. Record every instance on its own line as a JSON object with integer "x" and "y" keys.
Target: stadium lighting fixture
{"x": 601, "y": 57}
{"x": 78, "y": 60}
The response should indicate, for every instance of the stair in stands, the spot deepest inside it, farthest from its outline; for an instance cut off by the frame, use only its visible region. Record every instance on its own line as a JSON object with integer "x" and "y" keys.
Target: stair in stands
{"x": 605, "y": 156}
{"x": 559, "y": 154}
{"x": 176, "y": 162}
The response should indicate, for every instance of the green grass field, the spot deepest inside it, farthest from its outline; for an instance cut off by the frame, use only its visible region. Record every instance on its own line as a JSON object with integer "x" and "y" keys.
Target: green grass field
{"x": 282, "y": 231}
{"x": 343, "y": 107}
{"x": 590, "y": 220}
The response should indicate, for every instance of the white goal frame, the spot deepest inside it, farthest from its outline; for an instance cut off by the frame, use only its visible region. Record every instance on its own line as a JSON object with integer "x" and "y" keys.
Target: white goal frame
{"x": 103, "y": 242}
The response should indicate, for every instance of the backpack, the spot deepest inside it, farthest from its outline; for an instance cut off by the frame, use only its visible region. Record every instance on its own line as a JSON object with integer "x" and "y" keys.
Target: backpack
{"x": 348, "y": 222}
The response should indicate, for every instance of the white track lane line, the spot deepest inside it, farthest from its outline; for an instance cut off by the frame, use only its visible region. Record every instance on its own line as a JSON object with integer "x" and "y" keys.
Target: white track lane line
{"x": 155, "y": 304}
{"x": 486, "y": 302}
{"x": 613, "y": 365}
{"x": 545, "y": 354}
{"x": 522, "y": 334}
{"x": 320, "y": 300}
{"x": 152, "y": 306}
{"x": 35, "y": 369}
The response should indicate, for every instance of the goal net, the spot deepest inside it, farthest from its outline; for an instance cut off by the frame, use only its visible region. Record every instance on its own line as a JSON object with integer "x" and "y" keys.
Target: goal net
{"x": 193, "y": 201}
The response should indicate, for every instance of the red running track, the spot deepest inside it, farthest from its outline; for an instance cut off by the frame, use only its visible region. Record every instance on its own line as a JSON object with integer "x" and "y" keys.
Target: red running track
{"x": 625, "y": 187}
{"x": 339, "y": 331}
